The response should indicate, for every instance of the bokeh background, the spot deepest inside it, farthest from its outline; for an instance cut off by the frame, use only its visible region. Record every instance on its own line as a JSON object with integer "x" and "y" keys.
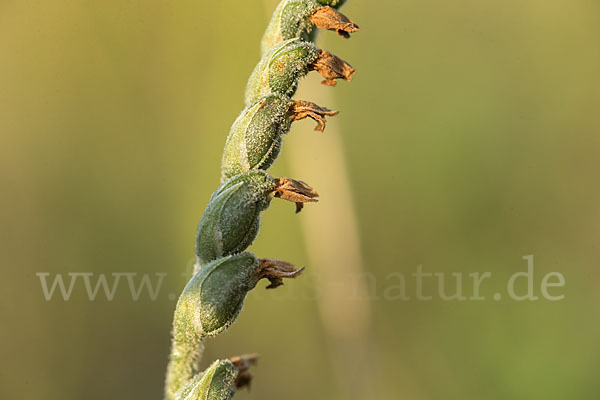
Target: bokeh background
{"x": 468, "y": 139}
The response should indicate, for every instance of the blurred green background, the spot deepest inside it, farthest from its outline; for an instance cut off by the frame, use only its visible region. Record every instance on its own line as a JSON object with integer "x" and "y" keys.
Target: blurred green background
{"x": 471, "y": 138}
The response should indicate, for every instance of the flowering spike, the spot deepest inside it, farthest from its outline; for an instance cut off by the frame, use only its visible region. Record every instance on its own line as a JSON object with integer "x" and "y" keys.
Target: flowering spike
{"x": 225, "y": 273}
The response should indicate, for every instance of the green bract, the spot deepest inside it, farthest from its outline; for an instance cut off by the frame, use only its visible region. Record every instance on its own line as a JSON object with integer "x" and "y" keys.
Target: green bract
{"x": 290, "y": 20}
{"x": 217, "y": 382}
{"x": 295, "y": 19}
{"x": 255, "y": 137}
{"x": 213, "y": 298}
{"x": 197, "y": 315}
{"x": 280, "y": 69}
{"x": 209, "y": 304}
{"x": 231, "y": 219}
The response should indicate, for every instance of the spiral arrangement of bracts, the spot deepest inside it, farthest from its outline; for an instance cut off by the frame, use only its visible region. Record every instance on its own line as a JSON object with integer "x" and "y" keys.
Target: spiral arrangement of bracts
{"x": 225, "y": 272}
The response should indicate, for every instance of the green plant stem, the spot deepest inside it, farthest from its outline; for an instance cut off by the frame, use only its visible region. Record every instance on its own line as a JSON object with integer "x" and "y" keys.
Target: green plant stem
{"x": 186, "y": 352}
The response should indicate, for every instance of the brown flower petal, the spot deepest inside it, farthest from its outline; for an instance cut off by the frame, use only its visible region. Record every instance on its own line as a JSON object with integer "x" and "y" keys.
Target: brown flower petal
{"x": 295, "y": 191}
{"x": 243, "y": 364}
{"x": 275, "y": 271}
{"x": 302, "y": 109}
{"x": 329, "y": 18}
{"x": 331, "y": 67}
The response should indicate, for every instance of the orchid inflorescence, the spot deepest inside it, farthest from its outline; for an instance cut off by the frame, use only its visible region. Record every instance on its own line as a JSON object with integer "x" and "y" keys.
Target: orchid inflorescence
{"x": 224, "y": 272}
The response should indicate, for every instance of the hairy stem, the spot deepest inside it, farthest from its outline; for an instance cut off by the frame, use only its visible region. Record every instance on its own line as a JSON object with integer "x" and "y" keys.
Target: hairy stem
{"x": 186, "y": 351}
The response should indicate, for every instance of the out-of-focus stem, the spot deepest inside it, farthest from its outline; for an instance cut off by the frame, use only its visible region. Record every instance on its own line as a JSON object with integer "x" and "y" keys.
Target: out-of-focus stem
{"x": 343, "y": 306}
